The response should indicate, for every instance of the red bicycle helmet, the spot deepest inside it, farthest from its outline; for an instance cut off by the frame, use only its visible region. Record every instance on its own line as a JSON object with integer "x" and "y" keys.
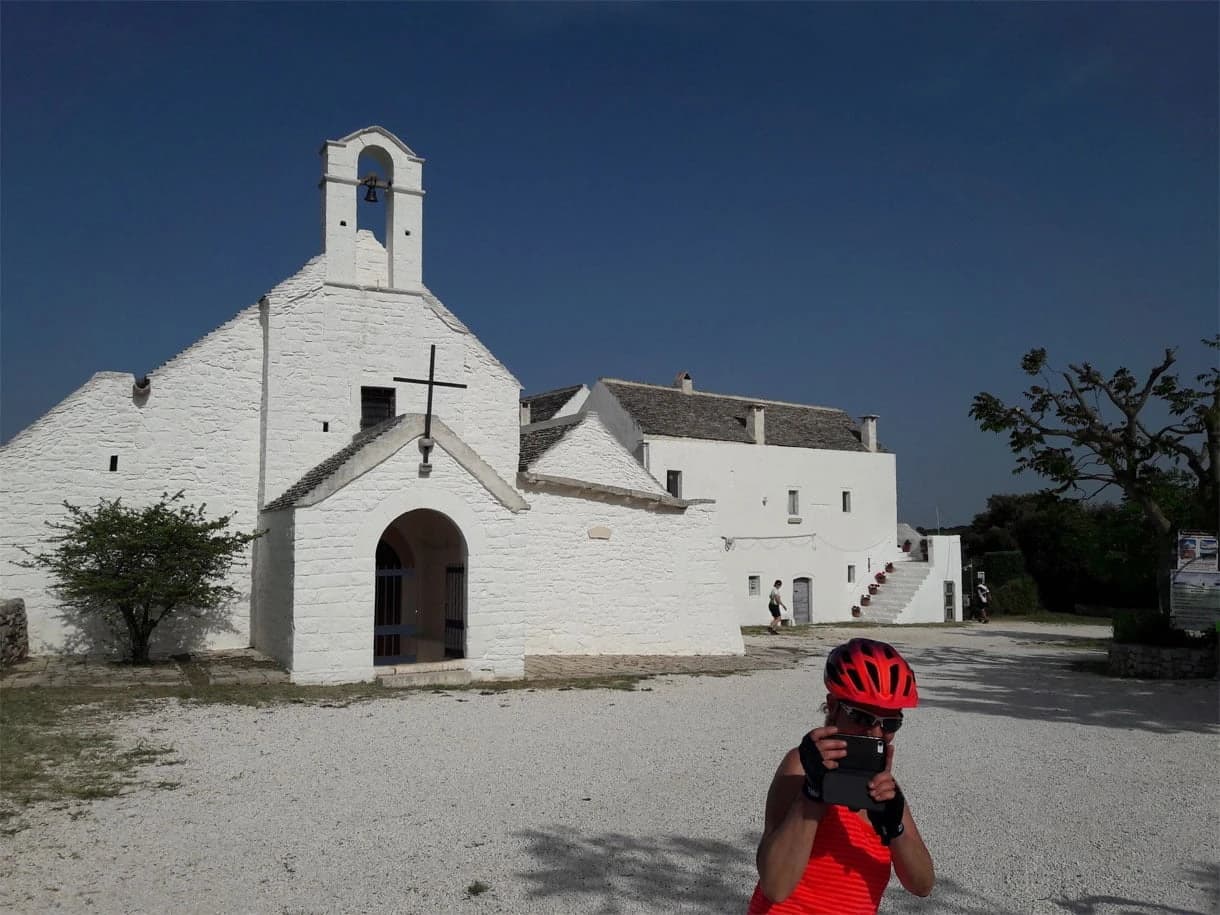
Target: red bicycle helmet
{"x": 873, "y": 673}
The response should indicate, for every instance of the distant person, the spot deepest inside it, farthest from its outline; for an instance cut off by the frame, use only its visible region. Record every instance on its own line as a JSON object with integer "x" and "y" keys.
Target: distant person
{"x": 774, "y": 603}
{"x": 982, "y": 596}
{"x": 817, "y": 858}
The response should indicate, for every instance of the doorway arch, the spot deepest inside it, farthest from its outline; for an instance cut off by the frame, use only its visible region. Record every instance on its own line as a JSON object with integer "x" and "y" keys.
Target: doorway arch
{"x": 431, "y": 573}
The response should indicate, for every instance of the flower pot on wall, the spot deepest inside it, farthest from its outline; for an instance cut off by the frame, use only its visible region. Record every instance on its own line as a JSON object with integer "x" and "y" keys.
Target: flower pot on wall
{"x": 873, "y": 589}
{"x": 864, "y": 600}
{"x": 855, "y": 610}
{"x": 889, "y": 567}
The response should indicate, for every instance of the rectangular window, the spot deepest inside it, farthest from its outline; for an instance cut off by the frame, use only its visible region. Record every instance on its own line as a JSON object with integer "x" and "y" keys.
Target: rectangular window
{"x": 376, "y": 406}
{"x": 755, "y": 586}
{"x": 851, "y": 574}
{"x": 847, "y": 500}
{"x": 794, "y": 502}
{"x": 673, "y": 482}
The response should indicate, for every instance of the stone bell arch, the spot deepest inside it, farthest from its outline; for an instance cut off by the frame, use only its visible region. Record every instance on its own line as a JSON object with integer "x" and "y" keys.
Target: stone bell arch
{"x": 401, "y": 191}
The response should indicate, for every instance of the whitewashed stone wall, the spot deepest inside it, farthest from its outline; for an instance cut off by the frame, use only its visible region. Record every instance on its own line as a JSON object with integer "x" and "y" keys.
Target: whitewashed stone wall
{"x": 271, "y": 622}
{"x": 197, "y": 430}
{"x": 591, "y": 453}
{"x": 654, "y": 587}
{"x": 335, "y": 546}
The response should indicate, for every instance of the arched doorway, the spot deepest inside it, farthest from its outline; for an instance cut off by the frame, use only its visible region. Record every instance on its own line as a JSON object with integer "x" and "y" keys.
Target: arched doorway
{"x": 427, "y": 612}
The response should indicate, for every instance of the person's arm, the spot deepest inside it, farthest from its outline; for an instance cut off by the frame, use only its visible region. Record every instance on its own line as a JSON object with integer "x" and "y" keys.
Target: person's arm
{"x": 911, "y": 858}
{"x": 791, "y": 821}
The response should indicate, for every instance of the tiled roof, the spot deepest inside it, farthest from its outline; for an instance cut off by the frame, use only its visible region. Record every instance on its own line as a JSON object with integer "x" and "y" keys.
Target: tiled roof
{"x": 720, "y": 417}
{"x": 322, "y": 472}
{"x": 538, "y": 438}
{"x": 545, "y": 405}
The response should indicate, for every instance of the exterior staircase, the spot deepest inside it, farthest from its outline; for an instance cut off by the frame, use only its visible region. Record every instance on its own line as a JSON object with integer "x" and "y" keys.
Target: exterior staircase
{"x": 900, "y": 586}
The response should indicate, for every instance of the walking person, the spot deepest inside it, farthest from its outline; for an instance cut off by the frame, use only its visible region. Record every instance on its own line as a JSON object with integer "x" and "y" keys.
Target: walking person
{"x": 774, "y": 603}
{"x": 825, "y": 859}
{"x": 983, "y": 595}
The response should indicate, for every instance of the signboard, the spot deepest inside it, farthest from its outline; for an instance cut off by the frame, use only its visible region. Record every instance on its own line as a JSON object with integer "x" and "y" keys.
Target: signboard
{"x": 1194, "y": 597}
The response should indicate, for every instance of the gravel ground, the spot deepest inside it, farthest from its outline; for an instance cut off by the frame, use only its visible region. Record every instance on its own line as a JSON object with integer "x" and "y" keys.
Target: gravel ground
{"x": 1038, "y": 788}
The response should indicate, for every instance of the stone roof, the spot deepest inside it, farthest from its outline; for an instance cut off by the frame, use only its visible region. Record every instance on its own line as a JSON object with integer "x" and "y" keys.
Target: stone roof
{"x": 545, "y": 405}
{"x": 662, "y": 410}
{"x": 319, "y": 474}
{"x": 538, "y": 438}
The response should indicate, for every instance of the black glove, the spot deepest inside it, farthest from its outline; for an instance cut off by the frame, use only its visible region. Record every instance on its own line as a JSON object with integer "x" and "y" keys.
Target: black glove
{"x": 887, "y": 822}
{"x": 815, "y": 770}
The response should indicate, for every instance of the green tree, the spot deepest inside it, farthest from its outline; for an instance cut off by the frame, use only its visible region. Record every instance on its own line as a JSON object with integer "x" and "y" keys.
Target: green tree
{"x": 1078, "y": 427}
{"x": 136, "y": 567}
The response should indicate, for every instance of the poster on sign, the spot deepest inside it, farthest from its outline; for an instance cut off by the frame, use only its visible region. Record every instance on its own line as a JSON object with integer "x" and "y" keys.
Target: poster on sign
{"x": 1194, "y": 595}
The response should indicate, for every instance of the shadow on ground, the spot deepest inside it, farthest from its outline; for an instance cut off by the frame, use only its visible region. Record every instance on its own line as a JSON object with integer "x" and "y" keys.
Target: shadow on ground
{"x": 611, "y": 873}
{"x": 1060, "y": 686}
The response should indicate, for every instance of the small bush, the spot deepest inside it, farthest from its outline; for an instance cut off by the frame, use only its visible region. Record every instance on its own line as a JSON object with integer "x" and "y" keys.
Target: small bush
{"x": 1149, "y": 627}
{"x": 1017, "y": 596}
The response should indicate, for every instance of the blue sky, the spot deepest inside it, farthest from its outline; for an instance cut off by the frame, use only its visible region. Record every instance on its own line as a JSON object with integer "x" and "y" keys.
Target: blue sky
{"x": 874, "y": 207}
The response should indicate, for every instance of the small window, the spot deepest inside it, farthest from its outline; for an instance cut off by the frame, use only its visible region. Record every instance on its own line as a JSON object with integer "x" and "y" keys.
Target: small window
{"x": 847, "y": 500}
{"x": 851, "y": 574}
{"x": 755, "y": 586}
{"x": 376, "y": 406}
{"x": 325, "y": 426}
{"x": 794, "y": 502}
{"x": 673, "y": 482}
{"x": 114, "y": 463}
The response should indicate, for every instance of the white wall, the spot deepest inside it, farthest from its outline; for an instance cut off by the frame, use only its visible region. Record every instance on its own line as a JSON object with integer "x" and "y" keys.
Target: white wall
{"x": 818, "y": 543}
{"x": 928, "y": 604}
{"x": 654, "y": 587}
{"x": 197, "y": 430}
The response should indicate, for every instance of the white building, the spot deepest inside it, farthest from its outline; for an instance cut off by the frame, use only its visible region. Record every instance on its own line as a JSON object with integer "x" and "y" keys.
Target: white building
{"x": 803, "y": 495}
{"x": 466, "y": 545}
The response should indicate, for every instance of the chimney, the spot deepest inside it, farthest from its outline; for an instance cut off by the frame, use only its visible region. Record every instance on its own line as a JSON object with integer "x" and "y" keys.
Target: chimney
{"x": 868, "y": 431}
{"x": 525, "y": 413}
{"x": 684, "y": 382}
{"x": 756, "y": 424}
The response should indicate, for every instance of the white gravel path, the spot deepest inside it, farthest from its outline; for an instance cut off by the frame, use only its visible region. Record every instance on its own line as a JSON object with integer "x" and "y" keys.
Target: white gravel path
{"x": 1038, "y": 789}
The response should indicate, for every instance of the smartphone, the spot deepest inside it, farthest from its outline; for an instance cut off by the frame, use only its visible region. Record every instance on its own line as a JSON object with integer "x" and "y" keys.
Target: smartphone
{"x": 864, "y": 753}
{"x": 847, "y": 784}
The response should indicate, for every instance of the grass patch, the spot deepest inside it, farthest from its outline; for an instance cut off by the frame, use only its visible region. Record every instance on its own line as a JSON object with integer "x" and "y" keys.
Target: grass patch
{"x": 478, "y": 888}
{"x": 1048, "y": 616}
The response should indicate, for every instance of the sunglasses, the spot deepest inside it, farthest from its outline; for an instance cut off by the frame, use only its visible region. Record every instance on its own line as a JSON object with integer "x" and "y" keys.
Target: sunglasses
{"x": 869, "y": 720}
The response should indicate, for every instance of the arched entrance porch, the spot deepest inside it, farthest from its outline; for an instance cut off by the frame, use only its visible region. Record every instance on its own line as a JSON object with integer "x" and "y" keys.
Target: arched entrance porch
{"x": 419, "y": 612}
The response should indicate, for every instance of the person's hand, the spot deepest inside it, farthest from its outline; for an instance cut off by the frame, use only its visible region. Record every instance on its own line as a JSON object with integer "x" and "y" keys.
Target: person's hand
{"x": 820, "y": 752}
{"x": 887, "y": 822}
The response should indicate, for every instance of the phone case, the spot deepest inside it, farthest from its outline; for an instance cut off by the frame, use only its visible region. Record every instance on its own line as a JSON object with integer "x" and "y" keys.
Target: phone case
{"x": 864, "y": 753}
{"x": 849, "y": 788}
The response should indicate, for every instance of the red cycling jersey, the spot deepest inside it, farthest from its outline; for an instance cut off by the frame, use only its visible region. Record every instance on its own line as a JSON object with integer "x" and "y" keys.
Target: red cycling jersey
{"x": 847, "y": 873}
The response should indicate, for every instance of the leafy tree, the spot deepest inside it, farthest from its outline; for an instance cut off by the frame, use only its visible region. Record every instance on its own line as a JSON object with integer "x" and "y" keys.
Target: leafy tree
{"x": 135, "y": 567}
{"x": 1078, "y": 427}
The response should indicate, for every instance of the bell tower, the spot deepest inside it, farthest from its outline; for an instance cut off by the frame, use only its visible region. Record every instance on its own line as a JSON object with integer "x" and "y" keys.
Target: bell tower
{"x": 401, "y": 192}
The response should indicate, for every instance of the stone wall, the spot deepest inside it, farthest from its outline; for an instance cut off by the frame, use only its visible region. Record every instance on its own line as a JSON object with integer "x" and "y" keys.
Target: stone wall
{"x": 1157, "y": 663}
{"x": 14, "y": 639}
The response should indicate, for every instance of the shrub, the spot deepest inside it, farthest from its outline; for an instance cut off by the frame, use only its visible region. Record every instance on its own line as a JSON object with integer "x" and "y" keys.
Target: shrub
{"x": 1020, "y": 595}
{"x": 1149, "y": 627}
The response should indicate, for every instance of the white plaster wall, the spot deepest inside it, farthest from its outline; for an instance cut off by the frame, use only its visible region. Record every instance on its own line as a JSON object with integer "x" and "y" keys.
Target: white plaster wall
{"x": 655, "y": 587}
{"x": 818, "y": 543}
{"x": 198, "y": 431}
{"x": 615, "y": 418}
{"x": 324, "y": 346}
{"x": 574, "y": 404}
{"x": 335, "y": 543}
{"x": 928, "y": 603}
{"x": 271, "y": 603}
{"x": 591, "y": 453}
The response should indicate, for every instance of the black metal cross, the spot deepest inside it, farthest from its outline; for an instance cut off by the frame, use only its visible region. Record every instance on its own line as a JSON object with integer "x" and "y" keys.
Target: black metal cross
{"x": 425, "y": 446}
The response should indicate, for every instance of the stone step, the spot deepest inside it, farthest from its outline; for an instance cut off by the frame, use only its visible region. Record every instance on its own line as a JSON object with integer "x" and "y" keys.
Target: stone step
{"x": 438, "y": 673}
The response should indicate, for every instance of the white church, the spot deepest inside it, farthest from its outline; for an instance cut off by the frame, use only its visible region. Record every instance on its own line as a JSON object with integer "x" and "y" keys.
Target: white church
{"x": 421, "y": 515}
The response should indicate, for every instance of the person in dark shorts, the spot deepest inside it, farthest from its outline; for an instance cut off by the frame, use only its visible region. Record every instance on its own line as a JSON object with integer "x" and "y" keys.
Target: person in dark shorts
{"x": 774, "y": 603}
